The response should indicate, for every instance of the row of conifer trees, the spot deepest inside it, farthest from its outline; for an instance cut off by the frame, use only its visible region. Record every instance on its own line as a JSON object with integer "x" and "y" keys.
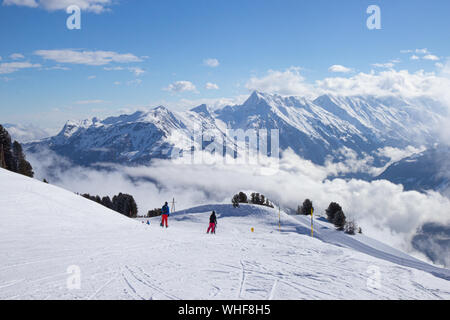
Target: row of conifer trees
{"x": 12, "y": 157}
{"x": 122, "y": 203}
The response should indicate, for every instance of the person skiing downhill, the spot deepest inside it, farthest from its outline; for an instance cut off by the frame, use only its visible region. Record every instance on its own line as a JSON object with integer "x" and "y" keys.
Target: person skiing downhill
{"x": 165, "y": 214}
{"x": 212, "y": 223}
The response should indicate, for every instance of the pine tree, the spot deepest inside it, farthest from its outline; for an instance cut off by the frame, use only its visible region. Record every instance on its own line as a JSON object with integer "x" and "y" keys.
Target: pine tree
{"x": 21, "y": 165}
{"x": 125, "y": 204}
{"x": 243, "y": 197}
{"x": 306, "y": 207}
{"x": 339, "y": 220}
{"x": 106, "y": 201}
{"x": 262, "y": 199}
{"x": 235, "y": 201}
{"x": 331, "y": 211}
{"x": 5, "y": 141}
{"x": 2, "y": 157}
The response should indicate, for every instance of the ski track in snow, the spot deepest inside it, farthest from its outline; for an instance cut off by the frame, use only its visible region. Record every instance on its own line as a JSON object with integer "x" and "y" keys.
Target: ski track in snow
{"x": 44, "y": 230}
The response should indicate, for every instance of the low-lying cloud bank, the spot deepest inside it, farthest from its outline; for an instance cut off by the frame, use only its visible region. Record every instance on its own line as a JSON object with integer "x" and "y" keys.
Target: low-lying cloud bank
{"x": 383, "y": 210}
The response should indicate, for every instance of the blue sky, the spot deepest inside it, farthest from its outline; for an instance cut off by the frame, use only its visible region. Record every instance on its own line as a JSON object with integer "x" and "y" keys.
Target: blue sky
{"x": 134, "y": 53}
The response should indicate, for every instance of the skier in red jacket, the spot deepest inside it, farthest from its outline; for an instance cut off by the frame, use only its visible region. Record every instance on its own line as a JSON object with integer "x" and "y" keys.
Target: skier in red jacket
{"x": 212, "y": 223}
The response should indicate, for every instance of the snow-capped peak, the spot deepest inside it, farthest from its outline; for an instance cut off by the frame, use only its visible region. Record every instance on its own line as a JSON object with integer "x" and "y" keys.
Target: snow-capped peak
{"x": 313, "y": 129}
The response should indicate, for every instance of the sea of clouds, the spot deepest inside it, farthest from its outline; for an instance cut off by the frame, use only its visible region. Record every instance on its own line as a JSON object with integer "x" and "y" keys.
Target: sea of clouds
{"x": 384, "y": 210}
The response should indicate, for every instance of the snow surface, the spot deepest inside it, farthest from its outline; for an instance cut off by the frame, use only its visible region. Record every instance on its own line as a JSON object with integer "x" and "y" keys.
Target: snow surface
{"x": 44, "y": 230}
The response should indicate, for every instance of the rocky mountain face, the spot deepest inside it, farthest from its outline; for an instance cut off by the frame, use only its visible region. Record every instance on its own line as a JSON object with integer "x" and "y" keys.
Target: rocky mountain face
{"x": 313, "y": 129}
{"x": 428, "y": 170}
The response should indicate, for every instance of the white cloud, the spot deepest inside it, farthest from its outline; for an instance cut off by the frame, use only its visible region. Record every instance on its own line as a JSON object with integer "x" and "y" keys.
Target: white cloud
{"x": 83, "y": 102}
{"x": 431, "y": 57}
{"x": 387, "y": 83}
{"x": 446, "y": 69}
{"x": 96, "y": 6}
{"x": 414, "y": 57}
{"x": 383, "y": 83}
{"x": 93, "y": 58}
{"x": 181, "y": 86}
{"x": 211, "y": 86}
{"x": 92, "y": 77}
{"x": 288, "y": 82}
{"x": 406, "y": 51}
{"x": 396, "y": 154}
{"x": 17, "y": 56}
{"x": 27, "y": 133}
{"x": 25, "y": 3}
{"x": 387, "y": 65}
{"x": 422, "y": 51}
{"x": 376, "y": 83}
{"x": 213, "y": 63}
{"x": 213, "y": 103}
{"x": 384, "y": 210}
{"x": 339, "y": 68}
{"x": 137, "y": 71}
{"x": 57, "y": 68}
{"x": 113, "y": 68}
{"x": 135, "y": 82}
{"x": 10, "y": 67}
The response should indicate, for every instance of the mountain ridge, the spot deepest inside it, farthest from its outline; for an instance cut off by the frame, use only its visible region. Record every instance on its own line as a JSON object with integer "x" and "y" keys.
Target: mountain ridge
{"x": 313, "y": 129}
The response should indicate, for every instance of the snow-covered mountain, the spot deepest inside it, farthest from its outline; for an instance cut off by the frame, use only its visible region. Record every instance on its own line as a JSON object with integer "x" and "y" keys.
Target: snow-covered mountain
{"x": 313, "y": 129}
{"x": 428, "y": 170}
{"x": 55, "y": 244}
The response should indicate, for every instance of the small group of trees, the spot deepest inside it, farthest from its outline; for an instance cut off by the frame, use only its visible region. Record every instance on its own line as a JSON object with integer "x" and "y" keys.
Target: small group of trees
{"x": 154, "y": 213}
{"x": 122, "y": 203}
{"x": 12, "y": 157}
{"x": 255, "y": 198}
{"x": 306, "y": 208}
{"x": 335, "y": 215}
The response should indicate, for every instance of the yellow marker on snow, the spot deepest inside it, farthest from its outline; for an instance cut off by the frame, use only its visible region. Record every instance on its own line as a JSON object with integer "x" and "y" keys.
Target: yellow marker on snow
{"x": 312, "y": 223}
{"x": 253, "y": 230}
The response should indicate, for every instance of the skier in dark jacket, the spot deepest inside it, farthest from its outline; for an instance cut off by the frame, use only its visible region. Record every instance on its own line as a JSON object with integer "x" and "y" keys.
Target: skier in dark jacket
{"x": 165, "y": 214}
{"x": 212, "y": 223}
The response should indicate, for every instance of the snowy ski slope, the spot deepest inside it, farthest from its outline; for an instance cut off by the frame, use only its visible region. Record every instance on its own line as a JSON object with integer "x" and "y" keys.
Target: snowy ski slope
{"x": 45, "y": 231}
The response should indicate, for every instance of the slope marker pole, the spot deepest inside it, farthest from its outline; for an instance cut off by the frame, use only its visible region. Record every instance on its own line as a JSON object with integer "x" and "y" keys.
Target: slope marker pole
{"x": 279, "y": 218}
{"x": 312, "y": 223}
